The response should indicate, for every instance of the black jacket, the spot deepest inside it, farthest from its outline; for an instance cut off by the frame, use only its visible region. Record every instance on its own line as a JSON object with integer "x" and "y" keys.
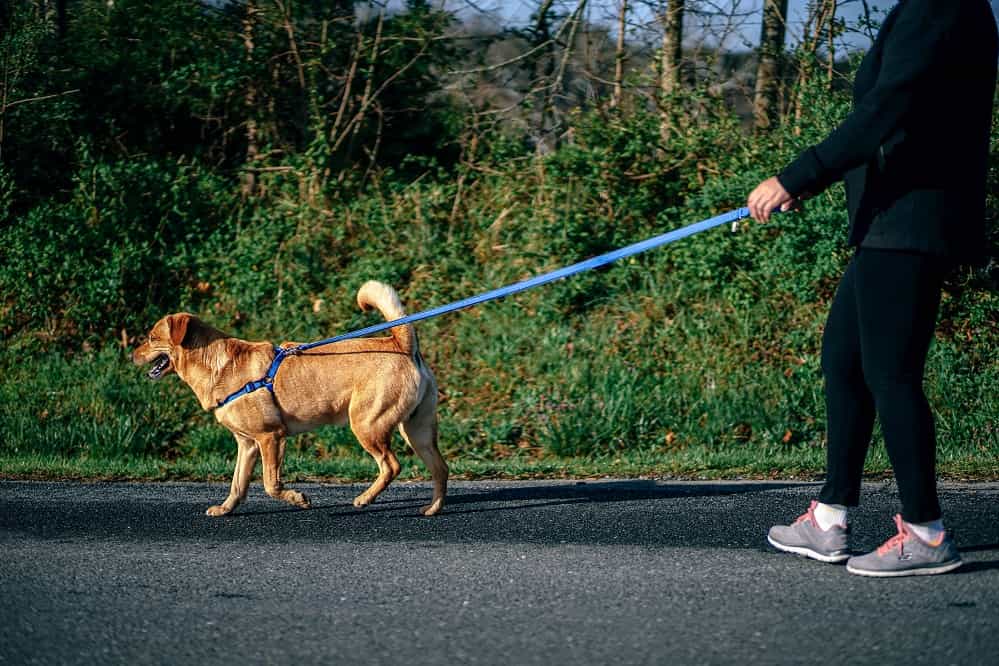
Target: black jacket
{"x": 914, "y": 150}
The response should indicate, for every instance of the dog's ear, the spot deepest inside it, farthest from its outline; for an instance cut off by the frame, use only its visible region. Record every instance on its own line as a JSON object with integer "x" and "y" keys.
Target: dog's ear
{"x": 177, "y": 325}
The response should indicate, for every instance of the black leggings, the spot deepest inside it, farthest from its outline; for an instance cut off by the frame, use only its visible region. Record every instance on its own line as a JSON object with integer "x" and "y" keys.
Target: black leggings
{"x": 873, "y": 354}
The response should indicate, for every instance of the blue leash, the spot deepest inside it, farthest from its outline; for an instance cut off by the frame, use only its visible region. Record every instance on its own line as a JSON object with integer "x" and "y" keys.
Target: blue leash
{"x": 267, "y": 381}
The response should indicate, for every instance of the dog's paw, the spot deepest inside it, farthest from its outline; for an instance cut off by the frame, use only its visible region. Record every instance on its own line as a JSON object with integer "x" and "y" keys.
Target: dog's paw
{"x": 217, "y": 510}
{"x": 362, "y": 500}
{"x": 432, "y": 509}
{"x": 297, "y": 498}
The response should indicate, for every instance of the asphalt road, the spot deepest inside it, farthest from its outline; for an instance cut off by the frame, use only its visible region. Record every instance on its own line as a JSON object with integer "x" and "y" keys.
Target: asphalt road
{"x": 602, "y": 572}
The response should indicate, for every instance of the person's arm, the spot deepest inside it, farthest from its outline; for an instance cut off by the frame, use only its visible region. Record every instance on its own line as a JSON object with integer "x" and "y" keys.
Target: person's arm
{"x": 914, "y": 47}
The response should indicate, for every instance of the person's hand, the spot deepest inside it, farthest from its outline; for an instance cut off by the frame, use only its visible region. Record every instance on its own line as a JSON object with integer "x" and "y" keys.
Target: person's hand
{"x": 767, "y": 197}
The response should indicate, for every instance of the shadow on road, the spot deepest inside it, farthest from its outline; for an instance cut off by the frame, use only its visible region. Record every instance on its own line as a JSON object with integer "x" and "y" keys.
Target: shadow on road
{"x": 464, "y": 500}
{"x": 725, "y": 515}
{"x": 976, "y": 567}
{"x": 637, "y": 512}
{"x": 520, "y": 497}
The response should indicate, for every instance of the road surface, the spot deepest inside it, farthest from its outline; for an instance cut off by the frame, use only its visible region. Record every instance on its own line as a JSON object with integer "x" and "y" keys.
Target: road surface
{"x": 525, "y": 572}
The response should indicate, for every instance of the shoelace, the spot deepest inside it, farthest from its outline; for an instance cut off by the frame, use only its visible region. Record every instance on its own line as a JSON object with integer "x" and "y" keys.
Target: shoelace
{"x": 808, "y": 515}
{"x": 896, "y": 541}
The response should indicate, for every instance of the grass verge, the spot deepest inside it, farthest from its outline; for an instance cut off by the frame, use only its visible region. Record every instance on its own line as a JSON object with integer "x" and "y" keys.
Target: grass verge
{"x": 691, "y": 463}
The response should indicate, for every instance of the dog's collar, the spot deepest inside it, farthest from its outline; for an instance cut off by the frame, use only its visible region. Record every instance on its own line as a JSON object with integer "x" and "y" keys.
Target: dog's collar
{"x": 267, "y": 381}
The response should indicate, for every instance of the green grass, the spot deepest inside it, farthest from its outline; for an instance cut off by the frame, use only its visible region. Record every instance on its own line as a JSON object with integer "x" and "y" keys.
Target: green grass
{"x": 299, "y": 467}
{"x": 800, "y": 463}
{"x": 639, "y": 387}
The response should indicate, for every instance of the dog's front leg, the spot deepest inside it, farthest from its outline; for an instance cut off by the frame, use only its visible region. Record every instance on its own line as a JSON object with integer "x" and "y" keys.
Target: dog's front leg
{"x": 246, "y": 460}
{"x": 272, "y": 455}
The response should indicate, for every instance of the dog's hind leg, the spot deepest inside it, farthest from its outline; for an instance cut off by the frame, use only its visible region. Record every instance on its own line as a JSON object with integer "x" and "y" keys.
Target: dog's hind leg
{"x": 420, "y": 432}
{"x": 377, "y": 444}
{"x": 246, "y": 460}
{"x": 272, "y": 455}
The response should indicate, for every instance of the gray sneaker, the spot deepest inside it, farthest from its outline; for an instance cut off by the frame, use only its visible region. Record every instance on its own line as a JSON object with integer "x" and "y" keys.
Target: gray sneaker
{"x": 805, "y": 537}
{"x": 905, "y": 554}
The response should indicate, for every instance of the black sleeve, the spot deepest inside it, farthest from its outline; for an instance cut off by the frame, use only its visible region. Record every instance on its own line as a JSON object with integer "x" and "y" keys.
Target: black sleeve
{"x": 913, "y": 48}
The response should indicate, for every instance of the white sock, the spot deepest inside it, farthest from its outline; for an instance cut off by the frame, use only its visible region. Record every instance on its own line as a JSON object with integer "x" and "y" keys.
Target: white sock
{"x": 827, "y": 515}
{"x": 931, "y": 532}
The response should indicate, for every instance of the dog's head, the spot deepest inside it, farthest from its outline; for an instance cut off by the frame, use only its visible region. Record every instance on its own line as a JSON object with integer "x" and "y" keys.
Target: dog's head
{"x": 165, "y": 344}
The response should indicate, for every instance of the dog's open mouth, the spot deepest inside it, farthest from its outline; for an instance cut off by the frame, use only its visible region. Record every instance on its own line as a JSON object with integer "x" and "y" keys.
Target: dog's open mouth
{"x": 160, "y": 365}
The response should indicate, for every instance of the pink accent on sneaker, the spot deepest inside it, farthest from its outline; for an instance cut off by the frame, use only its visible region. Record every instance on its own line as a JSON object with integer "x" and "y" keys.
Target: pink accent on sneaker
{"x": 898, "y": 540}
{"x": 809, "y": 516}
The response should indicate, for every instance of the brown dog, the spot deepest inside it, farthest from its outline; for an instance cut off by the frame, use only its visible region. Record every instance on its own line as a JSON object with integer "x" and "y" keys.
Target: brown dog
{"x": 375, "y": 384}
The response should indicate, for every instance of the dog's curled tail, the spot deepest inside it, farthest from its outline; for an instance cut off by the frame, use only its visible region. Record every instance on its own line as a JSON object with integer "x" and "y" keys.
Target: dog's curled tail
{"x": 383, "y": 297}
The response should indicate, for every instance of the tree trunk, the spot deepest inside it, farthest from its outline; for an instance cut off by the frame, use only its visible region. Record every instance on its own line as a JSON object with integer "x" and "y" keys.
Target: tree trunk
{"x": 61, "y": 20}
{"x": 830, "y": 44}
{"x": 672, "y": 54}
{"x": 619, "y": 55}
{"x": 819, "y": 14}
{"x": 250, "y": 99}
{"x": 542, "y": 64}
{"x": 768, "y": 70}
{"x": 551, "y": 126}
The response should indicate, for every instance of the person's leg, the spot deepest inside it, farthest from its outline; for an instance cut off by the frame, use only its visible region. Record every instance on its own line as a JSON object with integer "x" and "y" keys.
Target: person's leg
{"x": 849, "y": 403}
{"x": 820, "y": 533}
{"x": 898, "y": 295}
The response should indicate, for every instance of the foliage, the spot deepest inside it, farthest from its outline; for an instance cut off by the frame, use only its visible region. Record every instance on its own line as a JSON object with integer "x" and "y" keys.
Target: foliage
{"x": 135, "y": 202}
{"x": 127, "y": 244}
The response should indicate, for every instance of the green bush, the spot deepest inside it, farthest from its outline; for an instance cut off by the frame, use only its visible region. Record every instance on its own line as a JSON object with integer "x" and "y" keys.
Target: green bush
{"x": 710, "y": 345}
{"x": 129, "y": 244}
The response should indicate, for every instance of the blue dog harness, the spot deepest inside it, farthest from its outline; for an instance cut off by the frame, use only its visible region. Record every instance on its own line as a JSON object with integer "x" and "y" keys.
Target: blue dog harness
{"x": 267, "y": 381}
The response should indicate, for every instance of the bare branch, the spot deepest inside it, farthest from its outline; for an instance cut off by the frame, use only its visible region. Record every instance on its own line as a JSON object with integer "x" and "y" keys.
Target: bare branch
{"x": 40, "y": 98}
{"x": 506, "y": 63}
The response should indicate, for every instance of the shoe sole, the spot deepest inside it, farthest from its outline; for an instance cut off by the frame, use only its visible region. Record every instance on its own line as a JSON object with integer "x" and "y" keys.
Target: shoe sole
{"x": 922, "y": 571}
{"x": 833, "y": 558}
